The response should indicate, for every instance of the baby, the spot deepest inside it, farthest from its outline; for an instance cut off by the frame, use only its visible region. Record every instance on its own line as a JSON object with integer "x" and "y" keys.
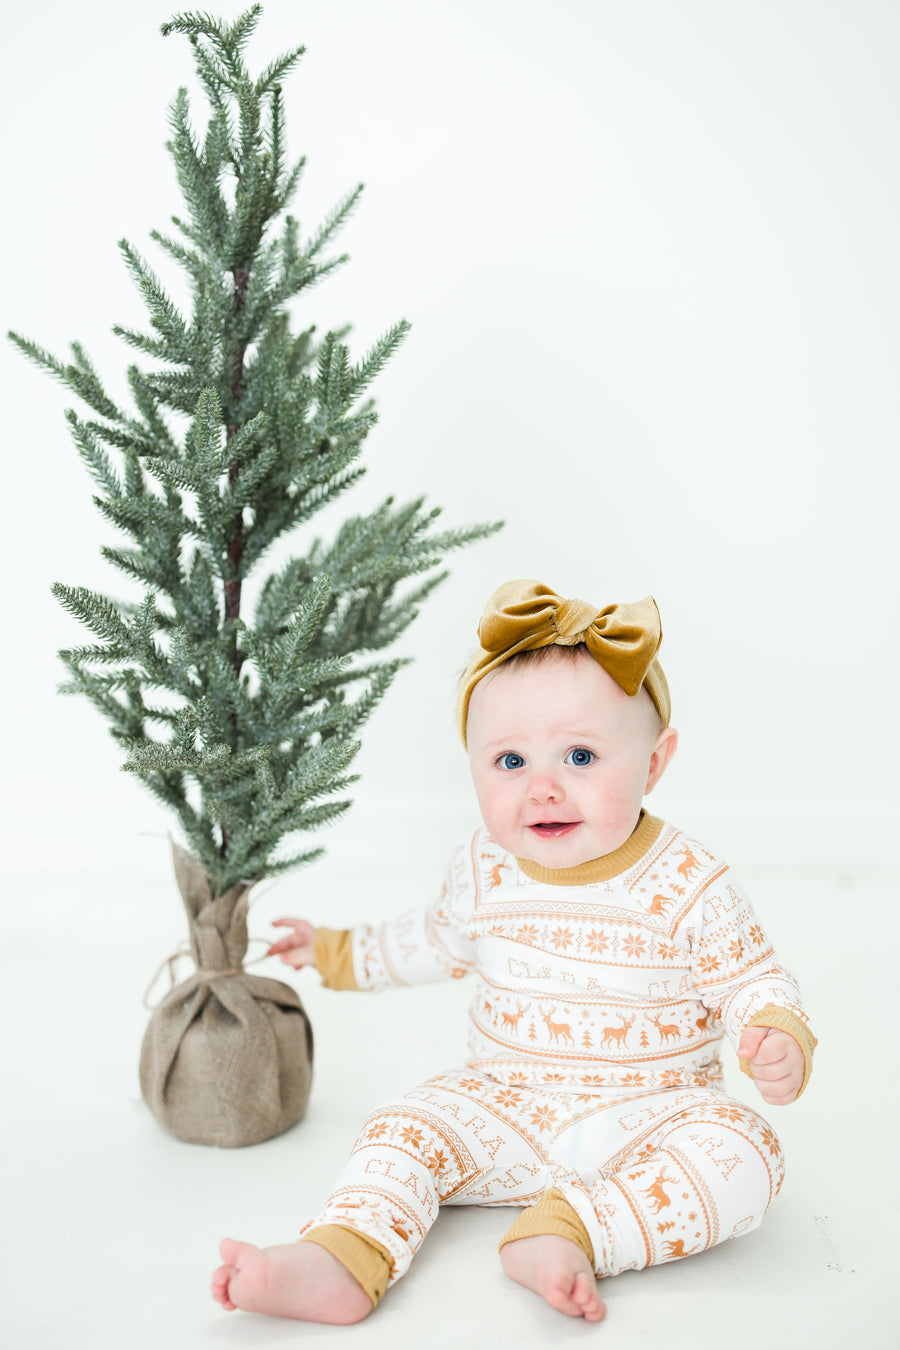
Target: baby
{"x": 611, "y": 954}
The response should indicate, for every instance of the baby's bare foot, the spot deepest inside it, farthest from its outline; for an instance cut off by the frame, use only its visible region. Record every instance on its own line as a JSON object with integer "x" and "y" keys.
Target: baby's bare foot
{"x": 558, "y": 1270}
{"x": 298, "y": 1279}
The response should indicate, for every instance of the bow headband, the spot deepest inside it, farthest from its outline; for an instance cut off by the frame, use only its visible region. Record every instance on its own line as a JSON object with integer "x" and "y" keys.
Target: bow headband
{"x": 522, "y": 616}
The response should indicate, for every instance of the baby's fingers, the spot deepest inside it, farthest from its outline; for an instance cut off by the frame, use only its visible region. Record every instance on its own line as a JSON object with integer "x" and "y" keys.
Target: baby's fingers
{"x": 771, "y": 1052}
{"x": 284, "y": 944}
{"x": 769, "y": 1073}
{"x": 751, "y": 1040}
{"x": 302, "y": 936}
{"x": 780, "y": 1092}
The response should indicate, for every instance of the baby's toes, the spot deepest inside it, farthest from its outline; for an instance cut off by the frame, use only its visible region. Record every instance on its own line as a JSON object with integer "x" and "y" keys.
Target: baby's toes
{"x": 585, "y": 1296}
{"x": 219, "y": 1287}
{"x": 558, "y": 1291}
{"x": 230, "y": 1251}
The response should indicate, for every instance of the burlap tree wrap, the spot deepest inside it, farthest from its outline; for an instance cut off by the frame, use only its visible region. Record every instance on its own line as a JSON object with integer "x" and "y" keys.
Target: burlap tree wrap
{"x": 227, "y": 1056}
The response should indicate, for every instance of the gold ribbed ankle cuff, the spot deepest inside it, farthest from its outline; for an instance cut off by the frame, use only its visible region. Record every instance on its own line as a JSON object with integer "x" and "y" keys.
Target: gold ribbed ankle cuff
{"x": 552, "y": 1215}
{"x": 367, "y": 1261}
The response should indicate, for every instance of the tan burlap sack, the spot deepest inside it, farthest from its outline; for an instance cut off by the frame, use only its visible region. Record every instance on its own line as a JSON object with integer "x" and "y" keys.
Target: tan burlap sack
{"x": 227, "y": 1056}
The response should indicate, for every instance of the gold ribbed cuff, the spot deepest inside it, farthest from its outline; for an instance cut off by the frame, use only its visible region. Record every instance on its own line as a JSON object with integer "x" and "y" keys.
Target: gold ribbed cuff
{"x": 552, "y": 1215}
{"x": 334, "y": 957}
{"x": 367, "y": 1261}
{"x": 780, "y": 1019}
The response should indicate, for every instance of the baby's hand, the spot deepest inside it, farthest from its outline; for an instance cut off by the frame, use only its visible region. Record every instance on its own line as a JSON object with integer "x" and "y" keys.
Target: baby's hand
{"x": 298, "y": 949}
{"x": 776, "y": 1063}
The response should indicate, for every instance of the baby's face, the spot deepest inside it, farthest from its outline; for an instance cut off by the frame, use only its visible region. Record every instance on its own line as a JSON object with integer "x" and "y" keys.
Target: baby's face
{"x": 561, "y": 758}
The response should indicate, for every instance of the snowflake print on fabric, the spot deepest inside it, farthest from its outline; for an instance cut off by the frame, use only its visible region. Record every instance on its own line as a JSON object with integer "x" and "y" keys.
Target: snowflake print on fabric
{"x": 733, "y": 1113}
{"x": 770, "y": 1141}
{"x": 561, "y": 939}
{"x": 544, "y": 1118}
{"x": 597, "y": 942}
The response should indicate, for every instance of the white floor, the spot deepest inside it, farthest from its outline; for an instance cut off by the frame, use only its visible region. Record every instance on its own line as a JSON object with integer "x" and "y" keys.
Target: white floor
{"x": 111, "y": 1226}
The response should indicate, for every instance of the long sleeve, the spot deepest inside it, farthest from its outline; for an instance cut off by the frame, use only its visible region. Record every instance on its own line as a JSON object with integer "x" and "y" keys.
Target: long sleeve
{"x": 736, "y": 971}
{"x": 419, "y": 947}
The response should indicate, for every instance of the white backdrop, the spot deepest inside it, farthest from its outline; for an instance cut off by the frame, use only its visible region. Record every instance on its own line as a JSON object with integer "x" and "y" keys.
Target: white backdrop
{"x": 650, "y": 254}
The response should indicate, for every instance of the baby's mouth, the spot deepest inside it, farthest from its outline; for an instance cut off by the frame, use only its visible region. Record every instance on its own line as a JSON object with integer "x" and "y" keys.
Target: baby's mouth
{"x": 553, "y": 829}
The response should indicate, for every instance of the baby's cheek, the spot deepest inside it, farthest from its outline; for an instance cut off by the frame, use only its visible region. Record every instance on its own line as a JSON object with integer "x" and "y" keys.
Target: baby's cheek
{"x": 619, "y": 810}
{"x": 497, "y": 817}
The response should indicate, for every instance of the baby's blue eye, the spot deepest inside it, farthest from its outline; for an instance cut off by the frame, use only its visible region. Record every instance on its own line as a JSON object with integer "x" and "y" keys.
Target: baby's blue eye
{"x": 580, "y": 758}
{"x": 511, "y": 761}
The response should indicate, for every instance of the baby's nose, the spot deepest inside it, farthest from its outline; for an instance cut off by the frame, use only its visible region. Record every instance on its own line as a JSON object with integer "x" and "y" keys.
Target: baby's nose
{"x": 543, "y": 788}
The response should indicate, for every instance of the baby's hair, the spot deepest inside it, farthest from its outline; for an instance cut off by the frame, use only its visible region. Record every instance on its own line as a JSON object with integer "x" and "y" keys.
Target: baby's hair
{"x": 555, "y": 651}
{"x": 535, "y": 657}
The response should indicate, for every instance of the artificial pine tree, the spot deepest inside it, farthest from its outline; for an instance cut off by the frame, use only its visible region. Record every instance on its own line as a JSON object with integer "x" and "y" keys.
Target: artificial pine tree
{"x": 242, "y": 430}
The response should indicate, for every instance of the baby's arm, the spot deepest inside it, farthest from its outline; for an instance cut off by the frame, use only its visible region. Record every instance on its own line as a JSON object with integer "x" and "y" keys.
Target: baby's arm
{"x": 330, "y": 950}
{"x": 418, "y": 947}
{"x": 754, "y": 997}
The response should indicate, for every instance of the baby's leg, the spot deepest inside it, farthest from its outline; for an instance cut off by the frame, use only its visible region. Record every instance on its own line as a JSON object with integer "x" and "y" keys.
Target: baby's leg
{"x": 441, "y": 1143}
{"x": 299, "y": 1279}
{"x": 451, "y": 1141}
{"x": 701, "y": 1168}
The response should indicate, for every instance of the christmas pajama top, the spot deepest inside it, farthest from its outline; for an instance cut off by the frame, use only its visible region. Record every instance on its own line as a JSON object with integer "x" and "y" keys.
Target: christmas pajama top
{"x": 618, "y": 977}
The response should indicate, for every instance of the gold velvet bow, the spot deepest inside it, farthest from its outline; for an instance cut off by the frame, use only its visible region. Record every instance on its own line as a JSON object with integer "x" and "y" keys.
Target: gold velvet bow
{"x": 524, "y": 615}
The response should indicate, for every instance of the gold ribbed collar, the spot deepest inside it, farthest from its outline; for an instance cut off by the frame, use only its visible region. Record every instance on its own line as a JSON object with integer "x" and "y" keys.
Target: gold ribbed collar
{"x": 611, "y": 865}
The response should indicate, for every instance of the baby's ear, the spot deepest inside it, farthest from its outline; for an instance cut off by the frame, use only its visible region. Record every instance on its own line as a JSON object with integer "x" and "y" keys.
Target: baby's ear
{"x": 666, "y": 745}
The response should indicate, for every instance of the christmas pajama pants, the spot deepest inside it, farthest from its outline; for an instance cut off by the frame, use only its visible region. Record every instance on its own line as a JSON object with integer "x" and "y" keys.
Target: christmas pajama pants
{"x": 652, "y": 1177}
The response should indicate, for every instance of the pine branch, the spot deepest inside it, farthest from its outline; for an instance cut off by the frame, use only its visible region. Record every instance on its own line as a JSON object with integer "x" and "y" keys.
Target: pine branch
{"x": 274, "y": 869}
{"x": 236, "y": 37}
{"x": 163, "y": 314}
{"x": 136, "y": 564}
{"x": 93, "y": 454}
{"x": 193, "y": 25}
{"x": 143, "y": 516}
{"x": 38, "y": 355}
{"x": 130, "y": 437}
{"x": 95, "y": 612}
{"x": 192, "y": 261}
{"x": 200, "y": 187}
{"x": 276, "y": 70}
{"x": 148, "y": 405}
{"x": 339, "y": 215}
{"x": 79, "y": 376}
{"x": 155, "y": 758}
